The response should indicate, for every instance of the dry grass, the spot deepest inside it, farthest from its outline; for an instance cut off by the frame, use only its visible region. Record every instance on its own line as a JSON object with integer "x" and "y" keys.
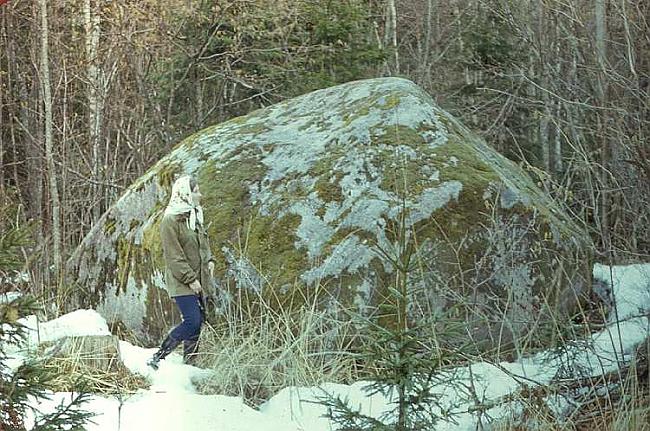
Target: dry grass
{"x": 74, "y": 375}
{"x": 618, "y": 401}
{"x": 78, "y": 364}
{"x": 624, "y": 407}
{"x": 254, "y": 354}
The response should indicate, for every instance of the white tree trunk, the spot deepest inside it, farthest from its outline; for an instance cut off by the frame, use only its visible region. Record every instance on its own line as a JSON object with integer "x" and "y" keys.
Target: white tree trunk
{"x": 543, "y": 135}
{"x": 46, "y": 91}
{"x": 572, "y": 113}
{"x": 390, "y": 36}
{"x": 95, "y": 105}
{"x": 425, "y": 67}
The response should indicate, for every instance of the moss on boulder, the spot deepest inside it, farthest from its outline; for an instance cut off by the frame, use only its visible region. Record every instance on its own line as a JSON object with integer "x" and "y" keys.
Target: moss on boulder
{"x": 318, "y": 190}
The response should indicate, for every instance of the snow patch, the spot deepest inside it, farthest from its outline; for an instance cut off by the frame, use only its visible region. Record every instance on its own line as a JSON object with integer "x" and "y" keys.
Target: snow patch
{"x": 633, "y": 298}
{"x": 79, "y": 323}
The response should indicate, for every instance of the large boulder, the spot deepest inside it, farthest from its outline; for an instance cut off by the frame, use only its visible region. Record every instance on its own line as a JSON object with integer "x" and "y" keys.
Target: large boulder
{"x": 327, "y": 193}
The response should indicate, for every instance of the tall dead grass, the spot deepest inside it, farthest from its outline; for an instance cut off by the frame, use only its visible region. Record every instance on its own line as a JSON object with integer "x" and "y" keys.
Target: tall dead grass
{"x": 257, "y": 351}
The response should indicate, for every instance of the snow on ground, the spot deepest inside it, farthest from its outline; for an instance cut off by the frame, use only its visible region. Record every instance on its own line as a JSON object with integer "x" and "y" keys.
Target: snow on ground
{"x": 172, "y": 403}
{"x": 79, "y": 323}
{"x": 9, "y": 296}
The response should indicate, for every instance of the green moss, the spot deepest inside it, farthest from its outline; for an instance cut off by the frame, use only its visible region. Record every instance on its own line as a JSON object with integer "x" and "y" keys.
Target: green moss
{"x": 124, "y": 249}
{"x": 406, "y": 179}
{"x": 238, "y": 120}
{"x": 329, "y": 191}
{"x": 325, "y": 164}
{"x": 271, "y": 248}
{"x": 109, "y": 226}
{"x": 451, "y": 222}
{"x": 362, "y": 107}
{"x": 454, "y": 162}
{"x": 226, "y": 201}
{"x": 151, "y": 242}
{"x": 390, "y": 102}
{"x": 448, "y": 227}
{"x": 394, "y": 136}
{"x": 327, "y": 184}
{"x": 167, "y": 173}
{"x": 252, "y": 128}
{"x": 469, "y": 169}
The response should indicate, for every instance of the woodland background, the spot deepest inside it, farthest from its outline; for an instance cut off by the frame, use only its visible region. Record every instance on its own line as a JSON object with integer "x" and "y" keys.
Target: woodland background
{"x": 94, "y": 92}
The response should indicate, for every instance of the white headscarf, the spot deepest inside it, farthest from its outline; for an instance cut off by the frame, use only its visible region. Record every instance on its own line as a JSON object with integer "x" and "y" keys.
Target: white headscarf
{"x": 181, "y": 203}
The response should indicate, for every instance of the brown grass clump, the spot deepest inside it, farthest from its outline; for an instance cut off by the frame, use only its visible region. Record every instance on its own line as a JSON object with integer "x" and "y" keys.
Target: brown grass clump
{"x": 256, "y": 355}
{"x": 626, "y": 405}
{"x": 92, "y": 364}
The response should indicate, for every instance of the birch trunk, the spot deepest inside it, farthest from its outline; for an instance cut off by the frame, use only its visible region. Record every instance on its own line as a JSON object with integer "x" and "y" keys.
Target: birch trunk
{"x": 425, "y": 68}
{"x": 390, "y": 36}
{"x": 545, "y": 114}
{"x": 91, "y": 23}
{"x": 573, "y": 113}
{"x": 46, "y": 91}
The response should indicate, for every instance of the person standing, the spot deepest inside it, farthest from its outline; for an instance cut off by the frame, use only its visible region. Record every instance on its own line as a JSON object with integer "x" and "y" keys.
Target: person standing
{"x": 189, "y": 266}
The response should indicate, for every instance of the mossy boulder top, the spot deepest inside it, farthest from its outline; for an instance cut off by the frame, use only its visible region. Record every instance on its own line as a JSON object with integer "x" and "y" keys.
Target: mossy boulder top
{"x": 325, "y": 193}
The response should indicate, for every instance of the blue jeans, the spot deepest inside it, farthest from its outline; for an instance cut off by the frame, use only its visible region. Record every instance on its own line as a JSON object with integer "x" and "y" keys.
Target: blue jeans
{"x": 190, "y": 327}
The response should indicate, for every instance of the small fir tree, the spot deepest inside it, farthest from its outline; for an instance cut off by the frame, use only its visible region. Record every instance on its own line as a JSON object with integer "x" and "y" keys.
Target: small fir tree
{"x": 403, "y": 368}
{"x": 29, "y": 382}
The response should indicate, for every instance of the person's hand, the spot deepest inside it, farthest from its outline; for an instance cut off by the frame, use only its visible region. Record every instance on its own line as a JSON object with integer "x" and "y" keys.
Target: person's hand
{"x": 195, "y": 286}
{"x": 211, "y": 268}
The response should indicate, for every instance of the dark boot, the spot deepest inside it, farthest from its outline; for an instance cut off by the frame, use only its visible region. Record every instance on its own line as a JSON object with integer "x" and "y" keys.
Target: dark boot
{"x": 190, "y": 351}
{"x": 167, "y": 346}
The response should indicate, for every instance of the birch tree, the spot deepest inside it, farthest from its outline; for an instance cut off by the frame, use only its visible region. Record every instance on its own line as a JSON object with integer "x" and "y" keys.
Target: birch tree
{"x": 425, "y": 72}
{"x": 46, "y": 91}
{"x": 390, "y": 36}
{"x": 95, "y": 102}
